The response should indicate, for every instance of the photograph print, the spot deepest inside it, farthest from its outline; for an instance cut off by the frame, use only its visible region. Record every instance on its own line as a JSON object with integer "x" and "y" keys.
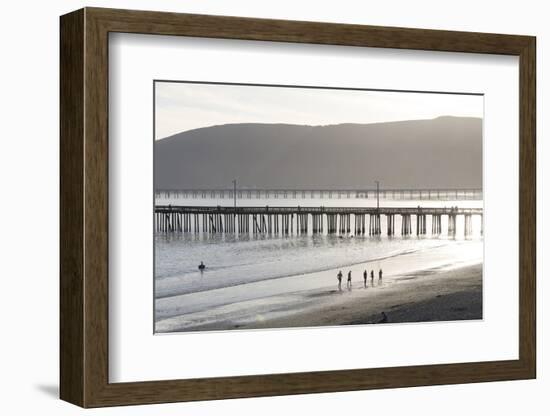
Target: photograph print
{"x": 293, "y": 206}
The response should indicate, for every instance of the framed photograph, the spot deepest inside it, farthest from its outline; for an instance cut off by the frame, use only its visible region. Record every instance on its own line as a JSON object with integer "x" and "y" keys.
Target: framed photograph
{"x": 255, "y": 207}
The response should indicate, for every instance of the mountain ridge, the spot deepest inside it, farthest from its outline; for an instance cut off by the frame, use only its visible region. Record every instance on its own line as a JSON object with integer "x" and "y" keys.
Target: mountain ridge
{"x": 444, "y": 152}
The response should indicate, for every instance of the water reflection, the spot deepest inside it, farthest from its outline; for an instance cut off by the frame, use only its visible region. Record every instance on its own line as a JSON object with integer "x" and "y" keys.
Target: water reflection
{"x": 234, "y": 258}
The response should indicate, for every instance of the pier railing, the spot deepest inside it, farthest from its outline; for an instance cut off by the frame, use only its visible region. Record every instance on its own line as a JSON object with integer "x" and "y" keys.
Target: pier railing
{"x": 299, "y": 220}
{"x": 384, "y": 193}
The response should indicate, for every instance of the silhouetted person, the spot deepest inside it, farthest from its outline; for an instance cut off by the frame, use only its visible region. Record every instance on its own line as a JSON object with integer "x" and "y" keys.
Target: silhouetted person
{"x": 380, "y": 274}
{"x": 371, "y": 276}
{"x": 365, "y": 274}
{"x": 339, "y": 276}
{"x": 384, "y": 318}
{"x": 349, "y": 279}
{"x": 202, "y": 266}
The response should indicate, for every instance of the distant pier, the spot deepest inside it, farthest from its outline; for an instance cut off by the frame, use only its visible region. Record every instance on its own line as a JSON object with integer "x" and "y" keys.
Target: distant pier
{"x": 302, "y": 220}
{"x": 444, "y": 194}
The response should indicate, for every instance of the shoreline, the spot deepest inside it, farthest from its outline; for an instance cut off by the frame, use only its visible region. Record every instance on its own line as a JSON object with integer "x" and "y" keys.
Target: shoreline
{"x": 431, "y": 294}
{"x": 310, "y": 272}
{"x": 425, "y": 296}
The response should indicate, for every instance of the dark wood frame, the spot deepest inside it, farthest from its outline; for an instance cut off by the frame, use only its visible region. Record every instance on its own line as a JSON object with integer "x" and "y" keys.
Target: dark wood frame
{"x": 84, "y": 207}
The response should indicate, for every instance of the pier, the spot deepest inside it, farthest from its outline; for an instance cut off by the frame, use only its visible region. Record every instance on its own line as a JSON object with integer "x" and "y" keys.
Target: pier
{"x": 303, "y": 220}
{"x": 395, "y": 194}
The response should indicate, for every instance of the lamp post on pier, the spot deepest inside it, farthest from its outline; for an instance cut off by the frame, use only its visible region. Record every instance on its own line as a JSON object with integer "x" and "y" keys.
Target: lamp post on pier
{"x": 235, "y": 195}
{"x": 377, "y": 194}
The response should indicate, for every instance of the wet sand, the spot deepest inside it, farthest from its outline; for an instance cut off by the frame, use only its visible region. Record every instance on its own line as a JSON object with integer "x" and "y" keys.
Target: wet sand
{"x": 428, "y": 295}
{"x": 434, "y": 294}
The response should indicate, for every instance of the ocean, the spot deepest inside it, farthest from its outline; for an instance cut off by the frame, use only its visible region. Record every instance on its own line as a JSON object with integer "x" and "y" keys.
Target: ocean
{"x": 248, "y": 274}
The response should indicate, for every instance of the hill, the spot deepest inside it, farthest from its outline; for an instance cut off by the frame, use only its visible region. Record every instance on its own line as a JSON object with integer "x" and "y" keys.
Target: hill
{"x": 445, "y": 152}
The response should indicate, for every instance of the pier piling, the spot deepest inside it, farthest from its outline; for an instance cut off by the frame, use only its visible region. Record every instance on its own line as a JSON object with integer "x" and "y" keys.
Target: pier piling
{"x": 280, "y": 220}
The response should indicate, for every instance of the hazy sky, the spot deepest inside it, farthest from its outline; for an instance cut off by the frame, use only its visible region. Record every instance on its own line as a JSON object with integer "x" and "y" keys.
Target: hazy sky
{"x": 182, "y": 106}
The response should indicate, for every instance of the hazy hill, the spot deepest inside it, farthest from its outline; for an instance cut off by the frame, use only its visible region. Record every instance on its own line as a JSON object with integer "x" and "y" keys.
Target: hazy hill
{"x": 445, "y": 152}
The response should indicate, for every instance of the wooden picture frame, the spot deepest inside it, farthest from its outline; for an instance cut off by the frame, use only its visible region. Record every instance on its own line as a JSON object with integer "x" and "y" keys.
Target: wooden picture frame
{"x": 84, "y": 207}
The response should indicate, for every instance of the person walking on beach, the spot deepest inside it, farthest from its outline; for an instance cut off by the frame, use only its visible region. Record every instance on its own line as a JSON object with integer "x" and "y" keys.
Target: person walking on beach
{"x": 380, "y": 274}
{"x": 339, "y": 276}
{"x": 365, "y": 274}
{"x": 372, "y": 277}
{"x": 349, "y": 279}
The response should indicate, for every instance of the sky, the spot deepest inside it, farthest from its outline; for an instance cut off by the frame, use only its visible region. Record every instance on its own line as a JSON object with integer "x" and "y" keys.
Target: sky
{"x": 183, "y": 106}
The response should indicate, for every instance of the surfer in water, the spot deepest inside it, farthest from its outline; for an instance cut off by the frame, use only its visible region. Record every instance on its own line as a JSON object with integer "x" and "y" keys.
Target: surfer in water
{"x": 202, "y": 266}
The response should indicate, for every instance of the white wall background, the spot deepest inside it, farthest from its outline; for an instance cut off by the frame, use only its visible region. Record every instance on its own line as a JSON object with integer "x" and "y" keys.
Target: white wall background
{"x": 29, "y": 159}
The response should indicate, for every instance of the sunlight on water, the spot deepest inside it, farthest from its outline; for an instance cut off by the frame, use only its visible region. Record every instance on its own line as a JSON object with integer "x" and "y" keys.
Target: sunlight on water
{"x": 233, "y": 259}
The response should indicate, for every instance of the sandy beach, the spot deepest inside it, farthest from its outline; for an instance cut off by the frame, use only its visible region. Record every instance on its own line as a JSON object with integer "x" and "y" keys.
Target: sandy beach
{"x": 440, "y": 293}
{"x": 427, "y": 295}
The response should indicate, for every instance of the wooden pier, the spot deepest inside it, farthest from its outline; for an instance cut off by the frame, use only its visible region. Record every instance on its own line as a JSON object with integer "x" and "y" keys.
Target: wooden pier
{"x": 443, "y": 194}
{"x": 303, "y": 220}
